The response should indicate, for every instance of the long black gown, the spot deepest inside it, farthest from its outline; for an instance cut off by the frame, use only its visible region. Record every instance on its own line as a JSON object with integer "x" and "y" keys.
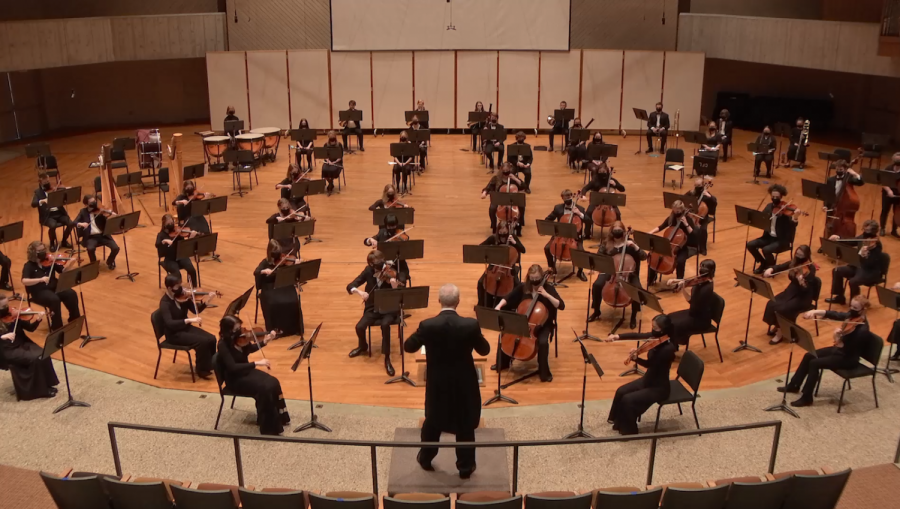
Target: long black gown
{"x": 242, "y": 378}
{"x": 32, "y": 376}
{"x": 794, "y": 300}
{"x": 280, "y": 306}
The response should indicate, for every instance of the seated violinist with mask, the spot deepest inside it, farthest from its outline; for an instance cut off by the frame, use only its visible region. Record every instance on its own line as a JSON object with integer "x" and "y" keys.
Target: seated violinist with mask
{"x": 392, "y": 231}
{"x": 91, "y": 222}
{"x": 522, "y": 164}
{"x": 167, "y": 248}
{"x": 51, "y": 217}
{"x": 180, "y": 329}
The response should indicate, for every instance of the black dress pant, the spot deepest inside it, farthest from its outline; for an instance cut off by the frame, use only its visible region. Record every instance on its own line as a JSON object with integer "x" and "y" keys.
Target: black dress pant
{"x": 543, "y": 352}
{"x": 371, "y": 317}
{"x": 353, "y": 130}
{"x": 702, "y": 234}
{"x": 663, "y": 135}
{"x": 887, "y": 204}
{"x": 201, "y": 342}
{"x": 489, "y": 150}
{"x": 527, "y": 173}
{"x": 597, "y": 293}
{"x": 759, "y": 160}
{"x": 265, "y": 389}
{"x": 788, "y": 308}
{"x": 465, "y": 456}
{"x": 5, "y": 264}
{"x": 764, "y": 248}
{"x": 185, "y": 264}
{"x": 32, "y": 376}
{"x": 631, "y": 401}
{"x": 684, "y": 326}
{"x": 854, "y": 279}
{"x": 401, "y": 174}
{"x": 91, "y": 243}
{"x": 308, "y": 152}
{"x": 55, "y": 220}
{"x": 797, "y": 153}
{"x": 558, "y": 129}
{"x": 53, "y": 301}
{"x": 811, "y": 368}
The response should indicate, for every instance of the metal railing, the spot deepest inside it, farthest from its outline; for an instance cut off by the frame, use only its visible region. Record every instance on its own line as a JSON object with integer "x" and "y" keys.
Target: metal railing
{"x": 236, "y": 438}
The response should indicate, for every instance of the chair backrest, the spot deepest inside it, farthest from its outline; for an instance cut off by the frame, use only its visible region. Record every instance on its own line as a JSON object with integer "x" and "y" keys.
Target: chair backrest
{"x": 159, "y": 329}
{"x": 245, "y": 156}
{"x": 163, "y": 175}
{"x": 704, "y": 498}
{"x": 871, "y": 351}
{"x": 582, "y": 501}
{"x": 845, "y": 154}
{"x": 129, "y": 495}
{"x": 674, "y": 155}
{"x": 81, "y": 493}
{"x": 690, "y": 369}
{"x": 217, "y": 369}
{"x": 763, "y": 495}
{"x": 718, "y": 308}
{"x": 816, "y": 491}
{"x": 49, "y": 162}
{"x": 272, "y": 500}
{"x": 816, "y": 286}
{"x": 885, "y": 265}
{"x": 322, "y": 502}
{"x": 186, "y": 498}
{"x": 507, "y": 503}
{"x": 393, "y": 503}
{"x": 639, "y": 500}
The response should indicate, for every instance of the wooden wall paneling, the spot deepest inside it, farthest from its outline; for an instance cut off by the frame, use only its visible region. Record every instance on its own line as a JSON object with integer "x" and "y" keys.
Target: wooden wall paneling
{"x": 435, "y": 84}
{"x": 392, "y": 82}
{"x": 476, "y": 80}
{"x": 267, "y": 83}
{"x": 623, "y": 24}
{"x": 518, "y": 84}
{"x": 351, "y": 79}
{"x": 87, "y": 41}
{"x": 279, "y": 24}
{"x": 26, "y": 49}
{"x": 309, "y": 88}
{"x": 226, "y": 79}
{"x": 162, "y": 37}
{"x": 641, "y": 84}
{"x": 683, "y": 88}
{"x": 601, "y": 88}
{"x": 560, "y": 72}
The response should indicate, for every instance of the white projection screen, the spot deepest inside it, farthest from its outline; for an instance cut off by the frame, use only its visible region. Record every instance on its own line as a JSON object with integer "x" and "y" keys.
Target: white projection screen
{"x": 402, "y": 25}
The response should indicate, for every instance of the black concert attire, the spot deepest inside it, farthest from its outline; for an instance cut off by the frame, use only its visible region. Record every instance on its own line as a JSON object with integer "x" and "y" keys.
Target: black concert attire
{"x": 422, "y": 123}
{"x": 725, "y": 128}
{"x": 287, "y": 243}
{"x": 52, "y": 218}
{"x": 831, "y": 357}
{"x": 701, "y": 234}
{"x": 33, "y": 376}
{"x": 179, "y": 333}
{"x": 5, "y": 265}
{"x": 381, "y": 237}
{"x": 490, "y": 148}
{"x": 296, "y": 201}
{"x": 768, "y": 156}
{"x": 712, "y": 140}
{"x": 795, "y": 299}
{"x": 494, "y": 185}
{"x": 476, "y": 130}
{"x": 281, "y": 307}
{"x": 241, "y": 377}
{"x": 195, "y": 223}
{"x": 370, "y": 316}
{"x": 636, "y": 397}
{"x": 494, "y": 240}
{"x": 379, "y": 204}
{"x": 231, "y": 118}
{"x": 558, "y": 212}
{"x": 888, "y": 202}
{"x": 526, "y": 160}
{"x": 400, "y": 172}
{"x": 332, "y": 170}
{"x": 894, "y": 339}
{"x": 697, "y": 318}
{"x": 868, "y": 273}
{"x": 577, "y": 151}
{"x": 423, "y": 148}
{"x": 92, "y": 236}
{"x": 660, "y": 120}
{"x": 45, "y": 293}
{"x": 560, "y": 128}
{"x": 777, "y": 237}
{"x": 796, "y": 152}
{"x": 598, "y": 184}
{"x": 304, "y": 150}
{"x": 683, "y": 254}
{"x": 634, "y": 278}
{"x": 452, "y": 396}
{"x": 513, "y": 299}
{"x": 353, "y": 129}
{"x": 838, "y": 184}
{"x": 168, "y": 253}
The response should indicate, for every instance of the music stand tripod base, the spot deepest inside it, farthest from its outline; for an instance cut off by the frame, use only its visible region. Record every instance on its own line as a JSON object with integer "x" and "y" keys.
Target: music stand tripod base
{"x": 634, "y": 370}
{"x": 745, "y": 345}
{"x": 313, "y": 424}
{"x": 71, "y": 403}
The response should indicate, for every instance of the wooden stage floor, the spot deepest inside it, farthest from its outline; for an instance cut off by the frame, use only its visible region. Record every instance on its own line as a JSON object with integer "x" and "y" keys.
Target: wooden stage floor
{"x": 449, "y": 214}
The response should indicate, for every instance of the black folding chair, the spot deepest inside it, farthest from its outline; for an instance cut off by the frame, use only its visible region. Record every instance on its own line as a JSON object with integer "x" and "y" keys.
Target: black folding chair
{"x": 690, "y": 369}
{"x": 159, "y": 331}
{"x": 674, "y": 157}
{"x": 718, "y": 309}
{"x": 223, "y": 390}
{"x": 871, "y": 352}
{"x": 163, "y": 187}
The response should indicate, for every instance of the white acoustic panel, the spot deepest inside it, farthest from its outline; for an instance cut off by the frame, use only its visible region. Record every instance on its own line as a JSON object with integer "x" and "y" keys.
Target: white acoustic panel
{"x": 683, "y": 88}
{"x": 351, "y": 79}
{"x": 518, "y": 83}
{"x": 309, "y": 88}
{"x": 601, "y": 88}
{"x": 641, "y": 84}
{"x": 267, "y": 82}
{"x": 392, "y": 88}
{"x": 435, "y": 84}
{"x": 559, "y": 82}
{"x": 226, "y": 75}
{"x": 476, "y": 80}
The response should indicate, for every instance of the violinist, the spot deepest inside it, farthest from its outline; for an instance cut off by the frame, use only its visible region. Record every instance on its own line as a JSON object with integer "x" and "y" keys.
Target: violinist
{"x": 780, "y": 233}
{"x": 182, "y": 202}
{"x": 294, "y": 176}
{"x": 657, "y": 125}
{"x": 843, "y": 177}
{"x": 496, "y": 145}
{"x": 33, "y": 375}
{"x": 713, "y": 144}
{"x": 559, "y": 128}
{"x": 167, "y": 248}
{"x": 420, "y": 106}
{"x": 91, "y": 222}
{"x": 242, "y": 377}
{"x": 388, "y": 200}
{"x": 564, "y": 212}
{"x": 534, "y": 285}
{"x": 183, "y": 331}
{"x": 5, "y": 266}
{"x": 522, "y": 164}
{"x": 377, "y": 275}
{"x": 601, "y": 182}
{"x": 577, "y": 150}
{"x": 476, "y": 127}
{"x": 304, "y": 148}
{"x": 870, "y": 267}
{"x": 636, "y": 397}
{"x": 403, "y": 166}
{"x": 51, "y": 217}
{"x": 286, "y": 215}
{"x": 798, "y": 295}
{"x": 701, "y": 192}
{"x": 415, "y": 125}
{"x": 797, "y": 150}
{"x": 699, "y": 292}
{"x": 331, "y": 169}
{"x": 502, "y": 238}
{"x": 849, "y": 339}
{"x": 351, "y": 127}
{"x": 768, "y": 156}
{"x": 281, "y": 307}
{"x": 39, "y": 278}
{"x": 679, "y": 219}
{"x": 616, "y": 242}
{"x": 890, "y": 198}
{"x": 494, "y": 185}
{"x": 392, "y": 231}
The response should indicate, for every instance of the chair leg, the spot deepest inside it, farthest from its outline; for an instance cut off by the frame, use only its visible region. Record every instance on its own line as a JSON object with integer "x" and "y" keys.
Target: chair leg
{"x": 219, "y": 415}
{"x": 232, "y": 401}
{"x": 679, "y": 408}
{"x": 175, "y": 355}
{"x": 874, "y": 391}
{"x": 370, "y": 340}
{"x": 158, "y": 358}
{"x": 658, "y": 410}
{"x": 818, "y": 383}
{"x": 721, "y": 360}
{"x": 191, "y": 367}
{"x": 841, "y": 401}
{"x": 694, "y": 409}
{"x": 703, "y": 338}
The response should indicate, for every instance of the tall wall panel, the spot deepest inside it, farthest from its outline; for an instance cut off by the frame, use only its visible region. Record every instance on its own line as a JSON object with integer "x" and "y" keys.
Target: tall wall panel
{"x": 683, "y": 86}
{"x": 351, "y": 78}
{"x": 227, "y": 79}
{"x": 476, "y": 80}
{"x": 559, "y": 82}
{"x": 601, "y": 88}
{"x": 434, "y": 84}
{"x": 518, "y": 83}
{"x": 309, "y": 88}
{"x": 267, "y": 81}
{"x": 391, "y": 87}
{"x": 641, "y": 84}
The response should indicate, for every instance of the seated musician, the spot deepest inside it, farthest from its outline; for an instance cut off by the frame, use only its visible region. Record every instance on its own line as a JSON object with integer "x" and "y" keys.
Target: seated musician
{"x": 779, "y": 234}
{"x": 601, "y": 182}
{"x": 33, "y": 374}
{"x": 890, "y": 197}
{"x": 493, "y": 146}
{"x": 596, "y": 141}
{"x": 768, "y": 156}
{"x": 535, "y": 285}
{"x": 182, "y": 202}
{"x": 797, "y": 151}
{"x": 713, "y": 144}
{"x": 522, "y": 164}
{"x": 286, "y": 214}
{"x": 304, "y": 149}
{"x": 167, "y": 248}
{"x": 844, "y": 176}
{"x": 614, "y": 244}
{"x": 844, "y": 354}
{"x": 281, "y": 307}
{"x": 90, "y": 223}
{"x": 701, "y": 192}
{"x": 559, "y": 128}
{"x": 494, "y": 185}
{"x": 39, "y": 275}
{"x": 388, "y": 199}
{"x": 726, "y": 127}
{"x": 229, "y": 115}
{"x": 657, "y": 125}
{"x": 51, "y": 217}
{"x": 294, "y": 176}
{"x": 680, "y": 219}
{"x": 636, "y": 397}
{"x": 5, "y": 278}
{"x": 562, "y": 213}
{"x": 180, "y": 330}
{"x": 699, "y": 292}
{"x": 577, "y": 150}
{"x": 476, "y": 127}
{"x": 403, "y": 167}
{"x": 502, "y": 238}
{"x": 242, "y": 377}
{"x": 391, "y": 231}
{"x": 415, "y": 125}
{"x": 351, "y": 127}
{"x": 869, "y": 272}
{"x": 797, "y": 297}
{"x": 375, "y": 276}
{"x": 894, "y": 336}
{"x": 332, "y": 168}
{"x": 420, "y": 106}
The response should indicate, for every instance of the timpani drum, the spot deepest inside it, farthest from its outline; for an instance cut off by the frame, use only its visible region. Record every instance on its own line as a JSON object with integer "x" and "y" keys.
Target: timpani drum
{"x": 251, "y": 141}
{"x": 272, "y": 139}
{"x": 214, "y": 148}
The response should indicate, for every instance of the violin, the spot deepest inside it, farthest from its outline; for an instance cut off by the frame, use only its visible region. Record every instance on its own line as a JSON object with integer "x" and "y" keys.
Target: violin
{"x": 800, "y": 273}
{"x": 181, "y": 232}
{"x": 789, "y": 210}
{"x": 58, "y": 260}
{"x": 252, "y": 335}
{"x": 689, "y": 283}
{"x": 498, "y": 279}
{"x": 678, "y": 238}
{"x": 645, "y": 347}
{"x": 386, "y": 274}
{"x": 395, "y": 204}
{"x": 524, "y": 348}
{"x": 561, "y": 247}
{"x": 24, "y": 315}
{"x": 196, "y": 295}
{"x": 402, "y": 236}
{"x": 613, "y": 294}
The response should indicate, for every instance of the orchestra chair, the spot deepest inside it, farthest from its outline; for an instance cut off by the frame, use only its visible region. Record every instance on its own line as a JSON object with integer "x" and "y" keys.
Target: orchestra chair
{"x": 117, "y": 154}
{"x": 369, "y": 332}
{"x": 416, "y": 501}
{"x": 187, "y": 498}
{"x": 210, "y": 486}
{"x": 168, "y": 483}
{"x": 245, "y": 164}
{"x": 816, "y": 283}
{"x": 558, "y": 500}
{"x": 134, "y": 495}
{"x": 885, "y": 267}
{"x": 694, "y": 498}
{"x": 718, "y": 309}
{"x": 788, "y": 249}
{"x": 76, "y": 493}
{"x": 690, "y": 369}
{"x": 159, "y": 265}
{"x": 223, "y": 390}
{"x": 674, "y": 157}
{"x": 815, "y": 491}
{"x": 156, "y": 320}
{"x": 756, "y": 494}
{"x": 343, "y": 500}
{"x": 627, "y": 497}
{"x": 272, "y": 498}
{"x": 49, "y": 165}
{"x": 871, "y": 353}
{"x": 163, "y": 188}
{"x": 872, "y": 145}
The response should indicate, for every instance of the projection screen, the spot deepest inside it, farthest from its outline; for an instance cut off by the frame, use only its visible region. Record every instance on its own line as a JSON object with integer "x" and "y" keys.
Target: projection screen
{"x": 403, "y": 25}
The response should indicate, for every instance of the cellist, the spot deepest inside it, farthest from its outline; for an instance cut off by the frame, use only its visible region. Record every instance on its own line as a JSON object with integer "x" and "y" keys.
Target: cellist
{"x": 870, "y": 265}
{"x": 494, "y": 185}
{"x": 502, "y": 238}
{"x": 701, "y": 192}
{"x": 843, "y": 178}
{"x": 798, "y": 295}
{"x": 678, "y": 218}
{"x": 563, "y": 213}
{"x": 548, "y": 296}
{"x": 617, "y": 242}
{"x": 391, "y": 230}
{"x": 890, "y": 198}
{"x": 601, "y": 182}
{"x": 522, "y": 164}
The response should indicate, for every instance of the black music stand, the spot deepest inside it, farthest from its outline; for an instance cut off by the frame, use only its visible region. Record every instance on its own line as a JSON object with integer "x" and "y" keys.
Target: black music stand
{"x": 556, "y": 229}
{"x": 8, "y": 233}
{"x": 757, "y": 149}
{"x": 752, "y": 218}
{"x": 588, "y": 359}
{"x": 208, "y": 207}
{"x": 234, "y": 307}
{"x": 307, "y": 188}
{"x": 579, "y": 135}
{"x": 504, "y": 322}
{"x": 195, "y": 248}
{"x": 422, "y": 115}
{"x": 304, "y": 137}
{"x": 193, "y": 172}
{"x": 402, "y": 249}
{"x": 499, "y": 199}
{"x": 408, "y": 152}
{"x": 600, "y": 198}
{"x": 830, "y": 158}
{"x": 77, "y": 276}
{"x": 347, "y": 116}
{"x": 601, "y": 152}
{"x": 652, "y": 244}
{"x": 756, "y": 286}
{"x": 233, "y": 126}
{"x": 399, "y": 300}
{"x": 891, "y": 300}
{"x": 794, "y": 334}
{"x": 514, "y": 150}
{"x": 839, "y": 251}
{"x": 56, "y": 342}
{"x": 879, "y": 177}
{"x": 417, "y": 136}
{"x": 642, "y": 117}
{"x": 294, "y": 229}
{"x": 487, "y": 255}
{"x": 704, "y": 166}
{"x": 819, "y": 192}
{"x": 563, "y": 117}
{"x": 404, "y": 215}
{"x": 306, "y": 353}
{"x": 121, "y": 225}
{"x": 476, "y": 117}
{"x": 585, "y": 260}
{"x": 297, "y": 275}
{"x": 62, "y": 198}
{"x": 689, "y": 201}
{"x": 130, "y": 179}
{"x": 646, "y": 299}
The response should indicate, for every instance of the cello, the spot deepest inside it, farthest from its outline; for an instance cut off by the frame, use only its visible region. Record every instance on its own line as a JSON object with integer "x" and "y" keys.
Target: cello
{"x": 613, "y": 294}
{"x": 507, "y": 213}
{"x": 525, "y": 348}
{"x": 498, "y": 279}
{"x": 605, "y": 215}
{"x": 561, "y": 247}
{"x": 666, "y": 264}
{"x": 702, "y": 207}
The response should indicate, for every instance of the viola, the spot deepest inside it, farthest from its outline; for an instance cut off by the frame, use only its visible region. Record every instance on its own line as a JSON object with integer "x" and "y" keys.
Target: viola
{"x": 196, "y": 295}
{"x": 789, "y": 210}
{"x": 613, "y": 294}
{"x": 402, "y": 236}
{"x": 181, "y": 232}
{"x": 561, "y": 247}
{"x": 395, "y": 204}
{"x": 524, "y": 348}
{"x": 252, "y": 335}
{"x": 56, "y": 259}
{"x": 504, "y": 212}
{"x": 498, "y": 279}
{"x": 666, "y": 264}
{"x": 386, "y": 274}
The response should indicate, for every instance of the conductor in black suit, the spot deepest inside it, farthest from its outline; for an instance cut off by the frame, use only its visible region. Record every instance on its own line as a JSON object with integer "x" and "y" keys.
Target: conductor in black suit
{"x": 657, "y": 125}
{"x": 452, "y": 397}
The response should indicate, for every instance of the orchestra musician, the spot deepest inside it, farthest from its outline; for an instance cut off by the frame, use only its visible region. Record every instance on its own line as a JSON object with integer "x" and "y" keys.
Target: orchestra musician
{"x": 768, "y": 156}
{"x": 33, "y": 374}
{"x": 601, "y": 182}
{"x": 849, "y": 339}
{"x": 229, "y": 115}
{"x": 502, "y": 238}
{"x": 5, "y": 275}
{"x": 351, "y": 127}
{"x": 51, "y": 217}
{"x": 616, "y": 242}
{"x": 798, "y": 295}
{"x": 377, "y": 275}
{"x": 388, "y": 199}
{"x": 90, "y": 223}
{"x": 797, "y": 151}
{"x": 890, "y": 197}
{"x": 281, "y": 307}
{"x": 494, "y": 185}
{"x": 534, "y": 286}
{"x": 636, "y": 397}
{"x": 894, "y": 336}
{"x": 780, "y": 233}
{"x": 39, "y": 278}
{"x": 713, "y": 143}
{"x": 577, "y": 151}
{"x": 294, "y": 176}
{"x": 476, "y": 127}
{"x": 522, "y": 164}
{"x": 415, "y": 125}
{"x": 183, "y": 331}
{"x": 596, "y": 141}
{"x": 332, "y": 168}
{"x": 493, "y": 146}
{"x": 167, "y": 248}
{"x": 285, "y": 214}
{"x": 680, "y": 219}
{"x": 657, "y": 125}
{"x": 701, "y": 192}
{"x": 559, "y": 128}
{"x": 563, "y": 212}
{"x": 843, "y": 176}
{"x": 403, "y": 168}
{"x": 242, "y": 377}
{"x": 870, "y": 265}
{"x": 698, "y": 317}
{"x": 725, "y": 129}
{"x": 420, "y": 106}
{"x": 182, "y": 202}
{"x": 304, "y": 149}
{"x": 391, "y": 230}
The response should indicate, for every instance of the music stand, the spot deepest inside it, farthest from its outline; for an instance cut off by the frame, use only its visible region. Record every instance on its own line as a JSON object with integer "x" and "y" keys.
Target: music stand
{"x": 305, "y": 189}
{"x": 504, "y": 322}
{"x": 588, "y": 359}
{"x": 63, "y": 198}
{"x": 193, "y": 172}
{"x": 347, "y": 116}
{"x": 407, "y": 152}
{"x": 756, "y": 286}
{"x": 120, "y": 225}
{"x": 794, "y": 334}
{"x": 306, "y": 353}
{"x": 196, "y": 247}
{"x": 891, "y": 300}
{"x": 704, "y": 166}
{"x": 757, "y": 149}
{"x": 652, "y": 243}
{"x": 840, "y": 252}
{"x": 297, "y": 275}
{"x": 56, "y": 342}
{"x": 819, "y": 192}
{"x": 752, "y": 218}
{"x": 579, "y": 135}
{"x": 646, "y": 299}
{"x": 830, "y": 158}
{"x": 556, "y": 229}
{"x": 487, "y": 255}
{"x": 492, "y": 135}
{"x": 499, "y": 199}
{"x": 404, "y": 215}
{"x": 402, "y": 249}
{"x": 237, "y": 305}
{"x": 689, "y": 201}
{"x": 399, "y": 300}
{"x": 602, "y": 151}
{"x": 233, "y": 126}
{"x": 9, "y": 233}
{"x": 476, "y": 117}
{"x": 130, "y": 179}
{"x": 77, "y": 276}
{"x": 422, "y": 115}
{"x": 208, "y": 207}
{"x": 585, "y": 260}
{"x": 294, "y": 229}
{"x": 879, "y": 177}
{"x": 514, "y": 150}
{"x": 642, "y": 117}
{"x": 417, "y": 136}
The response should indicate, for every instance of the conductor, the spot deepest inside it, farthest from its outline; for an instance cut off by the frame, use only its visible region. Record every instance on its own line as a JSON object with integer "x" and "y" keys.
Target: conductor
{"x": 452, "y": 397}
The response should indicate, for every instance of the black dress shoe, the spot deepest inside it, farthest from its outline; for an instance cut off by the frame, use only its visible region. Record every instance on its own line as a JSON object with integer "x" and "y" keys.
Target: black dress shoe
{"x": 648, "y": 151}
{"x": 527, "y": 190}
{"x": 111, "y": 265}
{"x": 67, "y": 245}
{"x": 356, "y": 352}
{"x": 633, "y": 322}
{"x": 425, "y": 466}
{"x": 759, "y": 270}
{"x": 770, "y": 333}
{"x": 465, "y": 474}
{"x": 803, "y": 401}
{"x": 788, "y": 389}
{"x": 581, "y": 276}
{"x": 494, "y": 367}
{"x": 594, "y": 316}
{"x": 53, "y": 391}
{"x": 206, "y": 375}
{"x": 836, "y": 300}
{"x": 362, "y": 149}
{"x": 388, "y": 367}
{"x": 53, "y": 247}
{"x": 548, "y": 379}
{"x": 882, "y": 233}
{"x": 6, "y": 287}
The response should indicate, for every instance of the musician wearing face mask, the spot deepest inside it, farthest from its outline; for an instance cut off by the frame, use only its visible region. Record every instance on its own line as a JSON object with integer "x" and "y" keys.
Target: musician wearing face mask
{"x": 332, "y": 168}
{"x": 352, "y": 127}
{"x": 560, "y": 127}
{"x": 415, "y": 125}
{"x": 476, "y": 127}
{"x": 33, "y": 375}
{"x": 535, "y": 285}
{"x": 304, "y": 148}
{"x": 182, "y": 202}
{"x": 493, "y": 146}
{"x": 51, "y": 217}
{"x": 403, "y": 166}
{"x": 616, "y": 242}
{"x": 843, "y": 177}
{"x": 796, "y": 298}
{"x": 377, "y": 275}
{"x": 577, "y": 150}
{"x": 699, "y": 292}
{"x": 167, "y": 248}
{"x": 636, "y": 397}
{"x": 779, "y": 234}
{"x": 601, "y": 182}
{"x": 286, "y": 214}
{"x": 890, "y": 197}
{"x": 502, "y": 238}
{"x": 797, "y": 150}
{"x": 596, "y": 141}
{"x": 294, "y": 176}
{"x": 181, "y": 330}
{"x": 229, "y": 114}
{"x": 564, "y": 212}
{"x": 39, "y": 275}
{"x": 701, "y": 192}
{"x": 389, "y": 233}
{"x": 497, "y": 181}
{"x": 713, "y": 143}
{"x": 725, "y": 128}
{"x": 282, "y": 309}
{"x": 870, "y": 265}
{"x": 681, "y": 220}
{"x": 768, "y": 156}
{"x": 91, "y": 222}
{"x": 388, "y": 200}
{"x": 522, "y": 164}
{"x": 657, "y": 125}
{"x": 849, "y": 341}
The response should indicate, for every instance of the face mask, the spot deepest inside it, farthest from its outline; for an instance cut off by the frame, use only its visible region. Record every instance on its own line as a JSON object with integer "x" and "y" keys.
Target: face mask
{"x": 170, "y": 227}
{"x": 679, "y": 214}
{"x": 870, "y": 233}
{"x": 178, "y": 291}
{"x": 800, "y": 256}
{"x": 46, "y": 185}
{"x": 656, "y": 333}
{"x": 618, "y": 234}
{"x": 295, "y": 175}
{"x": 189, "y": 191}
{"x": 766, "y": 133}
{"x": 598, "y": 140}
{"x": 775, "y": 199}
{"x": 391, "y": 195}
{"x": 535, "y": 282}
{"x": 403, "y": 139}
{"x": 285, "y": 212}
{"x": 568, "y": 202}
{"x": 699, "y": 189}
{"x": 659, "y": 110}
{"x": 378, "y": 266}
{"x": 855, "y": 312}
{"x": 4, "y": 311}
{"x": 41, "y": 255}
{"x": 92, "y": 205}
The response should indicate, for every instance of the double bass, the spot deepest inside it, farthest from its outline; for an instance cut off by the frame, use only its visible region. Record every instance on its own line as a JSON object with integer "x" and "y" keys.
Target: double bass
{"x": 613, "y": 294}
{"x": 561, "y": 247}
{"x": 843, "y": 219}
{"x": 524, "y": 348}
{"x": 498, "y": 279}
{"x": 666, "y": 264}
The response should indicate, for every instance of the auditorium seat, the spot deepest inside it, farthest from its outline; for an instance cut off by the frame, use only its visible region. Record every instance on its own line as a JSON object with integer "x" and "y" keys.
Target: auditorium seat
{"x": 782, "y": 475}
{"x": 487, "y": 500}
{"x": 168, "y": 483}
{"x": 694, "y": 498}
{"x": 758, "y": 495}
{"x": 273, "y": 498}
{"x": 816, "y": 491}
{"x": 211, "y": 486}
{"x": 187, "y": 498}
{"x": 558, "y": 500}
{"x": 623, "y": 498}
{"x": 131, "y": 495}
{"x": 343, "y": 500}
{"x": 484, "y": 496}
{"x": 746, "y": 480}
{"x": 416, "y": 501}
{"x": 76, "y": 493}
